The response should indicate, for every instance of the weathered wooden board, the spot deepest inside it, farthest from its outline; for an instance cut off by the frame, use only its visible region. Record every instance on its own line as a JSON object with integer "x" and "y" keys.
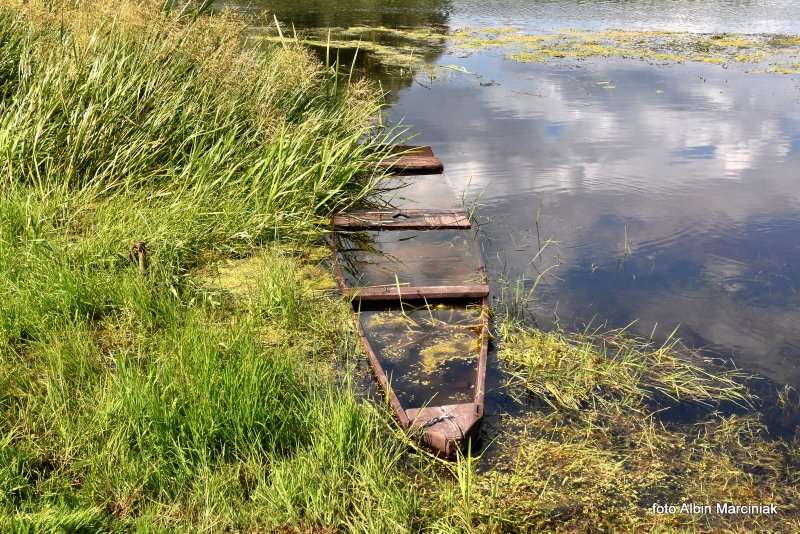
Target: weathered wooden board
{"x": 416, "y": 150}
{"x": 388, "y": 293}
{"x": 407, "y": 219}
{"x": 407, "y": 159}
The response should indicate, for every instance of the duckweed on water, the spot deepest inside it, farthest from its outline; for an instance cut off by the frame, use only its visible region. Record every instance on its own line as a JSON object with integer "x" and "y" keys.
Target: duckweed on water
{"x": 405, "y": 48}
{"x": 762, "y": 53}
{"x": 660, "y": 47}
{"x": 652, "y": 46}
{"x": 426, "y": 339}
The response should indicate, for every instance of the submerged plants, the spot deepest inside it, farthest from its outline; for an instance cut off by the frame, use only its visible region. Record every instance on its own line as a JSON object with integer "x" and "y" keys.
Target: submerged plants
{"x": 574, "y": 371}
{"x": 410, "y": 47}
{"x": 599, "y": 448}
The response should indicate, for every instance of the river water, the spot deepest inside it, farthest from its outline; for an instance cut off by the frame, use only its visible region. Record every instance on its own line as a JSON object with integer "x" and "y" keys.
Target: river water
{"x": 613, "y": 192}
{"x": 740, "y": 16}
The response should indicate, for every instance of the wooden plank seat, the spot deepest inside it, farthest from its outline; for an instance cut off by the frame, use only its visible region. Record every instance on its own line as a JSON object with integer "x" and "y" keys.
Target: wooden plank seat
{"x": 406, "y": 219}
{"x": 407, "y": 159}
{"x": 393, "y": 292}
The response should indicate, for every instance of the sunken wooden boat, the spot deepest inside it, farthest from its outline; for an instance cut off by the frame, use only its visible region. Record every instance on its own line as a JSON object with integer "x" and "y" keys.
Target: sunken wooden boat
{"x": 458, "y": 312}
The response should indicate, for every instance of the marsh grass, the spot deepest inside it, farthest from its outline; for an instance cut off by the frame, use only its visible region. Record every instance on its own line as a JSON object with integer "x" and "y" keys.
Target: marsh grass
{"x": 605, "y": 470}
{"x": 574, "y": 371}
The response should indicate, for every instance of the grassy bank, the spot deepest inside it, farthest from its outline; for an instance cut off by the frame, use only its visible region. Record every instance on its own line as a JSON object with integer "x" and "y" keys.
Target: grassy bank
{"x": 206, "y": 387}
{"x": 157, "y": 398}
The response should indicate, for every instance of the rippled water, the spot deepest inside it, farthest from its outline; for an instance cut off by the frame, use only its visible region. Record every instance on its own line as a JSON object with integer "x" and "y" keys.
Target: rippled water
{"x": 678, "y": 15}
{"x": 667, "y": 196}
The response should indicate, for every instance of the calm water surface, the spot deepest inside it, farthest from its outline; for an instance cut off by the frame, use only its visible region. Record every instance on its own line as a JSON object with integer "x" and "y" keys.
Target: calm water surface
{"x": 666, "y": 196}
{"x": 742, "y": 16}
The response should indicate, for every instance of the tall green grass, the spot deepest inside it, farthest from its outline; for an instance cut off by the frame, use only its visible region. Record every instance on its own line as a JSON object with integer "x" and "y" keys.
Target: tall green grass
{"x": 130, "y": 399}
{"x": 252, "y": 143}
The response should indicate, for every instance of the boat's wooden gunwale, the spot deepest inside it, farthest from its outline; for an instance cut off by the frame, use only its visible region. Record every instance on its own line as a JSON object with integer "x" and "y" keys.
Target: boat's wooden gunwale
{"x": 480, "y": 380}
{"x": 380, "y": 374}
{"x": 393, "y": 293}
{"x": 415, "y": 150}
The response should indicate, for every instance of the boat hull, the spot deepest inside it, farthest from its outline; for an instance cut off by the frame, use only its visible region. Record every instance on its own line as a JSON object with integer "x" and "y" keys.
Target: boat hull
{"x": 445, "y": 429}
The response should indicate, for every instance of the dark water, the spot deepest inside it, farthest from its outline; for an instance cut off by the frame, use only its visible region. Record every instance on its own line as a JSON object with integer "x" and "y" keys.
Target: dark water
{"x": 667, "y": 197}
{"x": 413, "y": 258}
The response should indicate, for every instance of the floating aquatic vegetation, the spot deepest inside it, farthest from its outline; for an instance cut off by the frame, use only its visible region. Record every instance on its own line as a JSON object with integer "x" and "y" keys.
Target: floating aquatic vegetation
{"x": 570, "y": 372}
{"x": 458, "y": 346}
{"x": 402, "y": 56}
{"x": 427, "y": 351}
{"x": 426, "y": 338}
{"x": 597, "y": 453}
{"x": 652, "y": 46}
{"x": 237, "y": 277}
{"x": 241, "y": 277}
{"x": 609, "y": 467}
{"x": 408, "y": 47}
{"x": 421, "y": 34}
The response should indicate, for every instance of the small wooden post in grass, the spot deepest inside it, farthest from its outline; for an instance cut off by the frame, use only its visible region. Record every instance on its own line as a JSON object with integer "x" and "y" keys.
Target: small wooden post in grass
{"x": 138, "y": 255}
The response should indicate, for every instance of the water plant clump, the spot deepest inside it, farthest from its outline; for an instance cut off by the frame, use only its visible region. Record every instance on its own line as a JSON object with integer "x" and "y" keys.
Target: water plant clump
{"x": 456, "y": 347}
{"x": 764, "y": 52}
{"x": 573, "y": 371}
{"x": 409, "y": 49}
{"x": 567, "y": 472}
{"x": 428, "y": 337}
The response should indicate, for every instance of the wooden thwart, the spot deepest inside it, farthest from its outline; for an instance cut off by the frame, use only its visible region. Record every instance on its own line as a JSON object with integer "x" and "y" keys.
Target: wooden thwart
{"x": 389, "y": 293}
{"x": 406, "y": 159}
{"x": 409, "y": 219}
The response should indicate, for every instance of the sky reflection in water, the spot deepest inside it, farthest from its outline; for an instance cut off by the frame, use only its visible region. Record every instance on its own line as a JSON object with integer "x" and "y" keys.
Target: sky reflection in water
{"x": 696, "y": 165}
{"x": 671, "y": 192}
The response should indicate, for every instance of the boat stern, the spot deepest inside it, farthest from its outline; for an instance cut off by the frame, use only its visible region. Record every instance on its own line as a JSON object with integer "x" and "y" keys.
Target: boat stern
{"x": 446, "y": 429}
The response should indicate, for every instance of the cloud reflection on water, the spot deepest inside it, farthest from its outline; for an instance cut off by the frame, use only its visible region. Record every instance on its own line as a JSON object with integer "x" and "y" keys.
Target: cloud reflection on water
{"x": 698, "y": 165}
